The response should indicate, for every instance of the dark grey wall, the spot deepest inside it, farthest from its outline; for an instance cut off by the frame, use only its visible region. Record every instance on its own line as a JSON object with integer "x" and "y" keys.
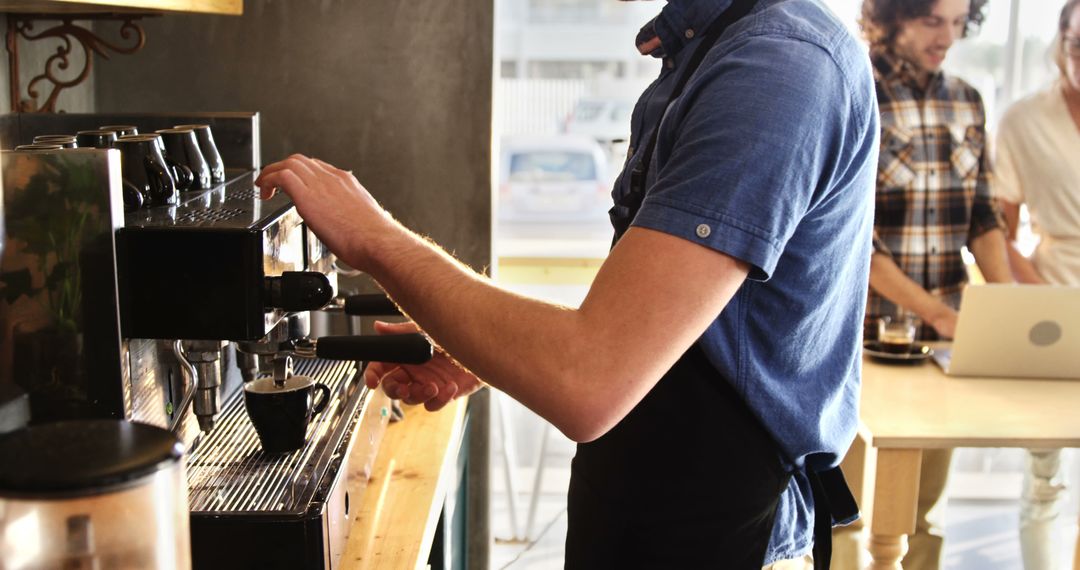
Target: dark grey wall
{"x": 399, "y": 92}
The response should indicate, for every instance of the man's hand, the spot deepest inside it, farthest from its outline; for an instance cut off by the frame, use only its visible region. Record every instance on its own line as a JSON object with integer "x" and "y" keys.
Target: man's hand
{"x": 433, "y": 384}
{"x": 333, "y": 204}
{"x": 944, "y": 322}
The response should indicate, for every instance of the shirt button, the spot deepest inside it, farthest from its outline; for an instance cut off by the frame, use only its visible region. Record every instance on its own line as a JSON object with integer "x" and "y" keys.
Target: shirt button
{"x": 703, "y": 231}
{"x": 689, "y": 33}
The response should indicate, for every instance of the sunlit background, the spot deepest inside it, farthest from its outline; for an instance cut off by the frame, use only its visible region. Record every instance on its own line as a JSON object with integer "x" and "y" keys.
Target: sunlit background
{"x": 568, "y": 74}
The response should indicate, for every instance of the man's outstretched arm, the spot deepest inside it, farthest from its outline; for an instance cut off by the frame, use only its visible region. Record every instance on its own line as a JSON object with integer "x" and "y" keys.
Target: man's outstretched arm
{"x": 584, "y": 369}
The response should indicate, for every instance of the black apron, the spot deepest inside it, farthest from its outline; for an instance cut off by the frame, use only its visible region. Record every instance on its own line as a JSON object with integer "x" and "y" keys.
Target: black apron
{"x": 689, "y": 478}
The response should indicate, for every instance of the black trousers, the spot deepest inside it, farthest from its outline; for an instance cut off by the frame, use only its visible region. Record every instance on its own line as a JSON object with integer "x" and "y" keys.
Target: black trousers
{"x": 689, "y": 479}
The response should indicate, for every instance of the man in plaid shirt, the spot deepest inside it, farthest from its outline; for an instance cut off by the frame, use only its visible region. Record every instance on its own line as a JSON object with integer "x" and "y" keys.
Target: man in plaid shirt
{"x": 933, "y": 197}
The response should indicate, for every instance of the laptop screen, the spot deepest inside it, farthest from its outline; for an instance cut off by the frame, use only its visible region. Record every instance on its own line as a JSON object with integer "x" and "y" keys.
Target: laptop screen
{"x": 1017, "y": 331}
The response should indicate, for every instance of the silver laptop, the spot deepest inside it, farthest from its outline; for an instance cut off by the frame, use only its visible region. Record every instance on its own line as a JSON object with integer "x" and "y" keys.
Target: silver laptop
{"x": 1016, "y": 331}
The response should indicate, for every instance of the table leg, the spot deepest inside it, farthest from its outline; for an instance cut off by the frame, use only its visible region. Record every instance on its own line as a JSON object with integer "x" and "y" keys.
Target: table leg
{"x": 896, "y": 496}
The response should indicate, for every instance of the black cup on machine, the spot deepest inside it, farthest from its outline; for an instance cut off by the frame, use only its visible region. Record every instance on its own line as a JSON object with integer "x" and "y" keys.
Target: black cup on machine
{"x": 121, "y": 130}
{"x": 281, "y": 410}
{"x": 66, "y": 141}
{"x": 209, "y": 151}
{"x": 182, "y": 146}
{"x": 96, "y": 139}
{"x": 144, "y": 168}
{"x": 181, "y": 174}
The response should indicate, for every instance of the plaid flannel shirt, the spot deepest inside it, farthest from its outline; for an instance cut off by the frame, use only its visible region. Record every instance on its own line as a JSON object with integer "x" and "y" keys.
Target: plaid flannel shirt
{"x": 933, "y": 183}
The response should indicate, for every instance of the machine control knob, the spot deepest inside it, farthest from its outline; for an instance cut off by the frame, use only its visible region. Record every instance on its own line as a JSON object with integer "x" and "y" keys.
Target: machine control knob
{"x": 298, "y": 291}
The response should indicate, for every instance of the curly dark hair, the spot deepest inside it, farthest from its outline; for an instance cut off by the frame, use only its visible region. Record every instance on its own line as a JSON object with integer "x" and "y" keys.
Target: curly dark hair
{"x": 1063, "y": 26}
{"x": 881, "y": 19}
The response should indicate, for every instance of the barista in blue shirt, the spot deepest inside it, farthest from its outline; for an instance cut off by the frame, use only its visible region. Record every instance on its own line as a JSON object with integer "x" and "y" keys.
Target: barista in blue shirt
{"x": 713, "y": 368}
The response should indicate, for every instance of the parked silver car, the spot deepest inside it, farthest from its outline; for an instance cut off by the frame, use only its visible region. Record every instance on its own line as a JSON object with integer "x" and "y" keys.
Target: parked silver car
{"x": 552, "y": 178}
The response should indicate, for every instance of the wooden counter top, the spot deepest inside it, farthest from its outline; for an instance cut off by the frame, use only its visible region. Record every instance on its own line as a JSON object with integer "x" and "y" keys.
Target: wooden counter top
{"x": 395, "y": 524}
{"x": 919, "y": 406}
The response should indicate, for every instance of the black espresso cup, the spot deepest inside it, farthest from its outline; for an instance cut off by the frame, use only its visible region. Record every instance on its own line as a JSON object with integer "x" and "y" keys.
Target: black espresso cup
{"x": 182, "y": 175}
{"x": 121, "y": 130}
{"x": 209, "y": 151}
{"x": 281, "y": 411}
{"x": 181, "y": 145}
{"x": 143, "y": 167}
{"x": 96, "y": 139}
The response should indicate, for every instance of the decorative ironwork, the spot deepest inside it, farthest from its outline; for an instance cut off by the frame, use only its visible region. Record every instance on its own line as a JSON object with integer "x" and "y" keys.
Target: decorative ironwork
{"x": 131, "y": 34}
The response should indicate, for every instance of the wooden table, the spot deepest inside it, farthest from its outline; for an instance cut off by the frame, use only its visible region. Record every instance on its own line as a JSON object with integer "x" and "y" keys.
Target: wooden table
{"x": 395, "y": 524}
{"x": 906, "y": 409}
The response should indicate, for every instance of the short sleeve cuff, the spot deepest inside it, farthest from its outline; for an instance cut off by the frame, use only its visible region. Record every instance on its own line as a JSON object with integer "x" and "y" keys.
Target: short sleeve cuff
{"x": 714, "y": 230}
{"x": 985, "y": 216}
{"x": 880, "y": 247}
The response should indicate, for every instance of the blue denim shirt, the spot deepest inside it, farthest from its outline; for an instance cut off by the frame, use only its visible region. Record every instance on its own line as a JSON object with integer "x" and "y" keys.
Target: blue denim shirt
{"x": 769, "y": 156}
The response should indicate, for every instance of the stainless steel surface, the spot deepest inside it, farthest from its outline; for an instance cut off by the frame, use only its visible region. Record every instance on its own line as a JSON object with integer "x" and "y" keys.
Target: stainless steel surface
{"x": 187, "y": 372}
{"x": 267, "y": 345}
{"x": 229, "y": 473}
{"x": 283, "y": 368}
{"x": 147, "y": 381}
{"x": 206, "y": 406}
{"x": 206, "y": 357}
{"x": 248, "y": 364}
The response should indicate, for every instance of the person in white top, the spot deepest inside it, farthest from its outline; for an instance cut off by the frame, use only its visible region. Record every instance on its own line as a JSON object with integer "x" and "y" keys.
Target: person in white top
{"x": 1036, "y": 164}
{"x": 1038, "y": 145}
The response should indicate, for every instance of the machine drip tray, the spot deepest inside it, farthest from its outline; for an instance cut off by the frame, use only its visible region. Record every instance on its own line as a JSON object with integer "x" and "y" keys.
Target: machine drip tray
{"x": 263, "y": 510}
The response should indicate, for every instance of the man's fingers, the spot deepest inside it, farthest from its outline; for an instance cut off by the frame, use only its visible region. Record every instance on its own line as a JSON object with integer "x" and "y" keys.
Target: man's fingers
{"x": 299, "y": 165}
{"x": 395, "y": 389}
{"x": 399, "y": 384}
{"x": 278, "y": 166}
{"x": 422, "y": 391}
{"x": 444, "y": 396}
{"x": 286, "y": 180}
{"x": 395, "y": 383}
{"x": 417, "y": 393}
{"x": 383, "y": 327}
{"x": 376, "y": 371}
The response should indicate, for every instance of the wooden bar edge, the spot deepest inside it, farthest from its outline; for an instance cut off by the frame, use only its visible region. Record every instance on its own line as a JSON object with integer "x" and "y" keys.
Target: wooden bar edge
{"x": 394, "y": 526}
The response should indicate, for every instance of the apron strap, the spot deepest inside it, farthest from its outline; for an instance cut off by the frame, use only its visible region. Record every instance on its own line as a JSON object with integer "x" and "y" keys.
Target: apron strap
{"x": 833, "y": 502}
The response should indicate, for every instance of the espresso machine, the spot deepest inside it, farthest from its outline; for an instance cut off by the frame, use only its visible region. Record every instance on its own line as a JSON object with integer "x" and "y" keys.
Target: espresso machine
{"x": 159, "y": 315}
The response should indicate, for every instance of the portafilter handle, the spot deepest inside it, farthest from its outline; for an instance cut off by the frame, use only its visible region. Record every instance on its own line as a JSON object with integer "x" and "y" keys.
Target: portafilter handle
{"x": 410, "y": 348}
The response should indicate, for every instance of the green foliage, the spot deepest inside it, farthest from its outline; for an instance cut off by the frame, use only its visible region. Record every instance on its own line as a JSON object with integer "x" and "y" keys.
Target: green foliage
{"x": 49, "y": 217}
